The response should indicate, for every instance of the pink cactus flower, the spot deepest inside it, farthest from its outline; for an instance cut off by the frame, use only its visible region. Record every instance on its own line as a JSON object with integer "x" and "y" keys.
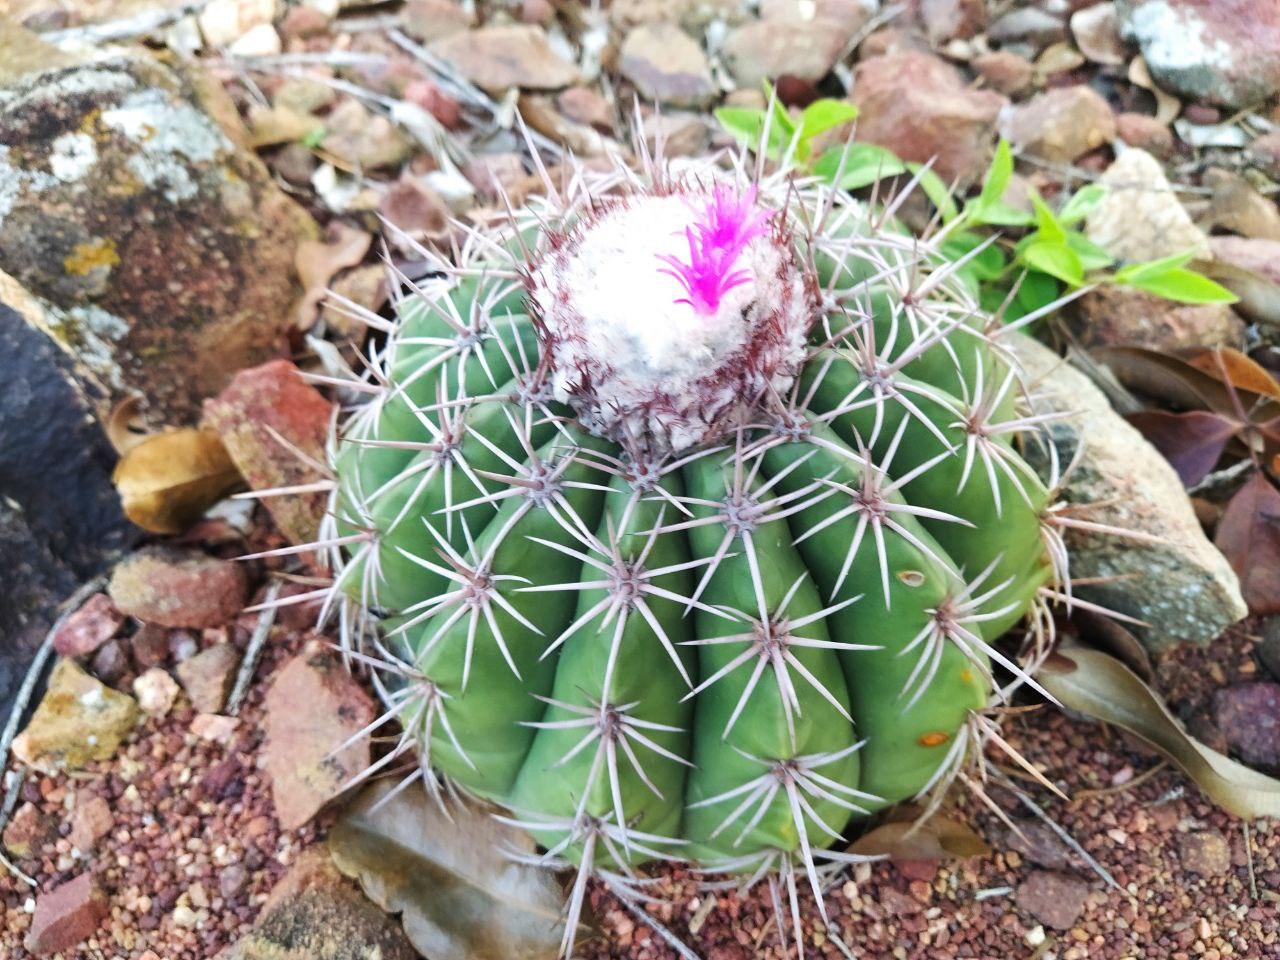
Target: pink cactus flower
{"x": 729, "y": 221}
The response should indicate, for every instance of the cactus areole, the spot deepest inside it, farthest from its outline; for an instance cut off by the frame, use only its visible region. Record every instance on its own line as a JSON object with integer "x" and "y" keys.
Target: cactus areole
{"x": 681, "y": 519}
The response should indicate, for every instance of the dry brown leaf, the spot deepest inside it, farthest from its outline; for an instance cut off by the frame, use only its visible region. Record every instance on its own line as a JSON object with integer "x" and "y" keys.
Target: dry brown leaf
{"x": 907, "y": 838}
{"x": 1167, "y": 106}
{"x": 1249, "y": 537}
{"x": 124, "y": 427}
{"x": 317, "y": 262}
{"x": 459, "y": 896}
{"x": 168, "y": 480}
{"x": 1229, "y": 366}
{"x": 1100, "y": 686}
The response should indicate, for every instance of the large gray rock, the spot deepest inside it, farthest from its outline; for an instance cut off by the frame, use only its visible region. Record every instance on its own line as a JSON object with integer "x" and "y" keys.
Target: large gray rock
{"x": 129, "y": 204}
{"x": 1223, "y": 51}
{"x": 1182, "y": 586}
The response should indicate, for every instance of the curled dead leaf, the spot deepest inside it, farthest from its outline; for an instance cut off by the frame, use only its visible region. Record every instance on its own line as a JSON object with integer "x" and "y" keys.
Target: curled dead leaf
{"x": 317, "y": 262}
{"x": 1249, "y": 537}
{"x": 124, "y": 426}
{"x": 169, "y": 479}
{"x": 1192, "y": 442}
{"x": 459, "y": 895}
{"x": 1099, "y": 686}
{"x": 1167, "y": 106}
{"x": 906, "y": 837}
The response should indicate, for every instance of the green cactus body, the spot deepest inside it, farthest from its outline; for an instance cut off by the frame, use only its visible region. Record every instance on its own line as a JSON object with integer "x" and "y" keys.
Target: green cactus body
{"x": 711, "y": 577}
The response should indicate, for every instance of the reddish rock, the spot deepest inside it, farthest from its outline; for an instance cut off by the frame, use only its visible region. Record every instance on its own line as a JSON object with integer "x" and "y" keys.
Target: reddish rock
{"x": 1146, "y": 133}
{"x": 1036, "y": 842}
{"x": 88, "y": 628}
{"x": 1054, "y": 899}
{"x": 1097, "y": 32}
{"x": 428, "y": 95}
{"x": 1027, "y": 24}
{"x": 493, "y": 174}
{"x": 887, "y": 40}
{"x": 110, "y": 662}
{"x": 768, "y": 49}
{"x": 269, "y": 420}
{"x": 299, "y": 742}
{"x": 500, "y": 57}
{"x": 178, "y": 588}
{"x": 585, "y": 106}
{"x": 1061, "y": 125}
{"x": 428, "y": 20}
{"x": 149, "y": 646}
{"x": 1112, "y": 316}
{"x": 945, "y": 20}
{"x": 1249, "y": 716}
{"x": 1205, "y": 852}
{"x": 90, "y": 822}
{"x": 537, "y": 11}
{"x": 208, "y": 676}
{"x": 1004, "y": 71}
{"x": 28, "y": 830}
{"x": 302, "y": 22}
{"x": 417, "y": 210}
{"x": 667, "y": 65}
{"x": 920, "y": 108}
{"x": 1220, "y": 51}
{"x": 67, "y": 915}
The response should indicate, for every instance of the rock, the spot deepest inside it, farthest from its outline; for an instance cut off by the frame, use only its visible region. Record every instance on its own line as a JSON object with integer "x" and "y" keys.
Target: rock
{"x": 314, "y": 913}
{"x": 767, "y": 49}
{"x": 431, "y": 97}
{"x": 919, "y": 107}
{"x": 209, "y": 675}
{"x": 1264, "y": 153}
{"x": 887, "y": 40}
{"x": 499, "y": 57}
{"x": 155, "y": 691}
{"x": 1222, "y": 51}
{"x": 222, "y": 22}
{"x": 158, "y": 245}
{"x": 1097, "y": 33}
{"x": 1145, "y": 133}
{"x": 299, "y": 743}
{"x": 259, "y": 407}
{"x": 175, "y": 587}
{"x": 1053, "y": 899}
{"x": 1205, "y": 852}
{"x": 78, "y": 720}
{"x": 945, "y": 20}
{"x": 214, "y": 727}
{"x": 90, "y": 822}
{"x": 1036, "y": 842}
{"x": 1110, "y": 316}
{"x": 304, "y": 22}
{"x": 1030, "y": 25}
{"x": 149, "y": 646}
{"x": 88, "y": 628}
{"x": 1248, "y": 714}
{"x": 667, "y": 66}
{"x": 67, "y": 915}
{"x": 585, "y": 106}
{"x": 693, "y": 15}
{"x": 1251, "y": 270}
{"x": 28, "y": 831}
{"x": 1236, "y": 206}
{"x": 428, "y": 20}
{"x": 362, "y": 139}
{"x": 1060, "y": 125}
{"x": 1269, "y": 649}
{"x": 682, "y": 134}
{"x": 1140, "y": 217}
{"x": 1182, "y": 586}
{"x": 416, "y": 210}
{"x": 60, "y": 516}
{"x": 1005, "y": 72}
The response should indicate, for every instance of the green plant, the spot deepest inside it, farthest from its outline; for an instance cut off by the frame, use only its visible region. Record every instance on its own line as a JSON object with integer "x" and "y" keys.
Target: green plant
{"x": 684, "y": 517}
{"x": 1013, "y": 276}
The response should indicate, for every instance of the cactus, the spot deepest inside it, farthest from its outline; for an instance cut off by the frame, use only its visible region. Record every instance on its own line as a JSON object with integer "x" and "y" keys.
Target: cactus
{"x": 683, "y": 516}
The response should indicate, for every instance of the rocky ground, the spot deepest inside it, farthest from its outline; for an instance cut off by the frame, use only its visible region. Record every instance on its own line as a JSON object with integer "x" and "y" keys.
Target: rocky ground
{"x": 172, "y": 211}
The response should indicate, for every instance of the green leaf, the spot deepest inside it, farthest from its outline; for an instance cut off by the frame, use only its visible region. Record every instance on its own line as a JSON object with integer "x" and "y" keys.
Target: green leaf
{"x": 1056, "y": 259}
{"x": 1137, "y": 271}
{"x": 1000, "y": 215}
{"x": 1036, "y": 291}
{"x": 1047, "y": 224}
{"x": 314, "y": 138}
{"x": 858, "y": 165}
{"x": 1092, "y": 257}
{"x": 821, "y": 115}
{"x": 988, "y": 265}
{"x": 746, "y": 124}
{"x": 996, "y": 182}
{"x": 1182, "y": 285}
{"x": 937, "y": 191}
{"x": 1081, "y": 204}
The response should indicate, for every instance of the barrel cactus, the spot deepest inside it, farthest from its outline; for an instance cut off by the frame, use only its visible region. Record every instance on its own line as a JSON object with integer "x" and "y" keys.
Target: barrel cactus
{"x": 682, "y": 514}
